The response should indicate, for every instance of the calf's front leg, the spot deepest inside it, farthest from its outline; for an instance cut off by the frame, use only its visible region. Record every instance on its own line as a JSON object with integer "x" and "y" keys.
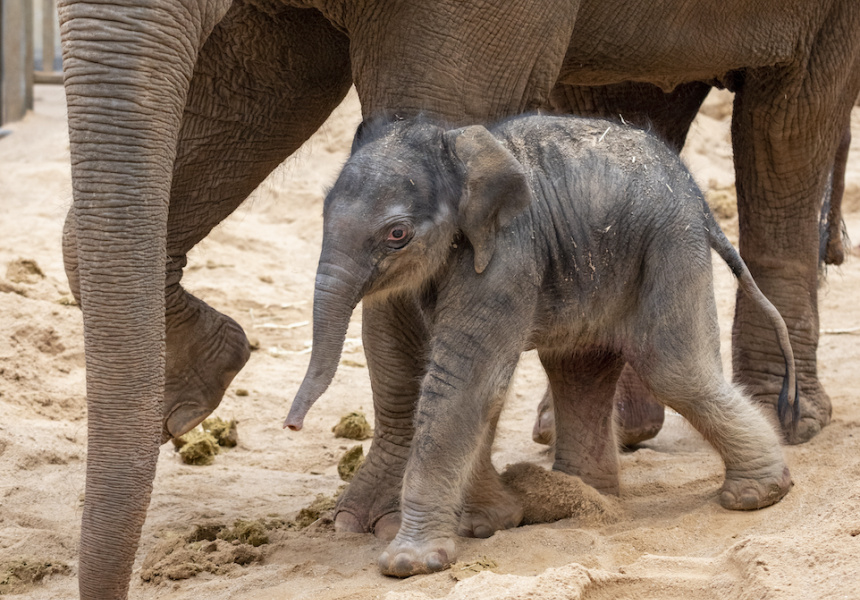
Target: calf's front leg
{"x": 472, "y": 359}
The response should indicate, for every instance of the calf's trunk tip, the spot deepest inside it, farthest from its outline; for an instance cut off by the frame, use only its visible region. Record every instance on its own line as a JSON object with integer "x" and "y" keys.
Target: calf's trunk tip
{"x": 308, "y": 393}
{"x": 334, "y": 301}
{"x": 329, "y": 335}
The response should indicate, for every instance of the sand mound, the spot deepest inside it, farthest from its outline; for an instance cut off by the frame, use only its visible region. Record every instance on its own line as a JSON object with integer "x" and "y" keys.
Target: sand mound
{"x": 19, "y": 576}
{"x": 548, "y": 496}
{"x": 176, "y": 558}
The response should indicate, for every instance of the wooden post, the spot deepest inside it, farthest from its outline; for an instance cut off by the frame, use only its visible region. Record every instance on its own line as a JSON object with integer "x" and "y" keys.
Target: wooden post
{"x": 49, "y": 13}
{"x": 16, "y": 59}
{"x": 49, "y": 45}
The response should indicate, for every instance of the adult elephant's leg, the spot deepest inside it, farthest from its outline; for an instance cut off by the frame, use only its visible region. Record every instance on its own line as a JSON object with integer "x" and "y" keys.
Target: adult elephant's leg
{"x": 264, "y": 82}
{"x": 669, "y": 115}
{"x": 127, "y": 73}
{"x": 640, "y": 416}
{"x": 395, "y": 338}
{"x": 832, "y": 250}
{"x": 431, "y": 59}
{"x": 786, "y": 130}
{"x": 583, "y": 386}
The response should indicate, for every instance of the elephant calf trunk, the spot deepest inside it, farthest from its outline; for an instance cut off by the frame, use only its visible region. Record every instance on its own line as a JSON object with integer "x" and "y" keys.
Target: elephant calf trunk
{"x": 334, "y": 301}
{"x": 311, "y": 389}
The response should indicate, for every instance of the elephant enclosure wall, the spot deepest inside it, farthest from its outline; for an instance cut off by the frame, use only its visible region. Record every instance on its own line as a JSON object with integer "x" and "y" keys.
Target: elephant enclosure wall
{"x": 672, "y": 540}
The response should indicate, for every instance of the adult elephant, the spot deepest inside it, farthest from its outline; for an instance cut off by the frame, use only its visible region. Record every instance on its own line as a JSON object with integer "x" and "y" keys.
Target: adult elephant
{"x": 179, "y": 108}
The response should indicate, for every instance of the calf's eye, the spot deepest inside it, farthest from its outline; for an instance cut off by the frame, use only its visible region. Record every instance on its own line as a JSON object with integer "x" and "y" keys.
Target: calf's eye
{"x": 399, "y": 235}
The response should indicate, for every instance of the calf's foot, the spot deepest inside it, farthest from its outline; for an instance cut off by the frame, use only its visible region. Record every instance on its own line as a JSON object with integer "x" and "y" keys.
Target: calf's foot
{"x": 371, "y": 503}
{"x": 205, "y": 351}
{"x": 747, "y": 491}
{"x": 405, "y": 557}
{"x": 488, "y": 510}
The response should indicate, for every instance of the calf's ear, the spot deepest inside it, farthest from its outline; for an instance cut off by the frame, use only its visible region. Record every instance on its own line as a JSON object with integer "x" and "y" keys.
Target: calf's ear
{"x": 495, "y": 188}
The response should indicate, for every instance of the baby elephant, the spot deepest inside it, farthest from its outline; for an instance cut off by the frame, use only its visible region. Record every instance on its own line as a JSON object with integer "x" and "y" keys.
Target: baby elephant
{"x": 582, "y": 238}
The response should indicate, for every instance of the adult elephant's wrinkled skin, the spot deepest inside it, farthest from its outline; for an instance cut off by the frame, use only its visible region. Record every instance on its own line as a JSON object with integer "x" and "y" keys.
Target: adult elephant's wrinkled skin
{"x": 179, "y": 108}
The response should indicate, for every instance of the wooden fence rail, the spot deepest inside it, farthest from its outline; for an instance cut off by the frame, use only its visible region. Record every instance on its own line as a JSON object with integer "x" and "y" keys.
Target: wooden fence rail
{"x": 28, "y": 31}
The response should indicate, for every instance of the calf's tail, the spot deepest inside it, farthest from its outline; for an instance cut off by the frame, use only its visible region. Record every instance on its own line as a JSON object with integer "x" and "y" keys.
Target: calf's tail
{"x": 788, "y": 395}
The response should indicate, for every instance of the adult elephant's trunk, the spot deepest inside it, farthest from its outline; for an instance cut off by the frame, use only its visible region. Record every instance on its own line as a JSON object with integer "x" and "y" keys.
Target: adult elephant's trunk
{"x": 127, "y": 71}
{"x": 337, "y": 292}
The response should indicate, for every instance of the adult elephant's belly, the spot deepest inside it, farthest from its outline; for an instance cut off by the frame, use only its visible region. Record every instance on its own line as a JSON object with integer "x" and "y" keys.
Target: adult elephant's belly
{"x": 681, "y": 41}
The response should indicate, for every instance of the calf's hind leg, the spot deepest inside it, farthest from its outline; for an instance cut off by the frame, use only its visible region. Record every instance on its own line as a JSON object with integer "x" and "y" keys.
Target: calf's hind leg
{"x": 583, "y": 386}
{"x": 686, "y": 375}
{"x": 669, "y": 115}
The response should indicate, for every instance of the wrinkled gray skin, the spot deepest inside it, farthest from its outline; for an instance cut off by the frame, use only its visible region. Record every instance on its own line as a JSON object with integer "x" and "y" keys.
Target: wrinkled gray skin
{"x": 638, "y": 416}
{"x": 178, "y": 109}
{"x": 584, "y": 239}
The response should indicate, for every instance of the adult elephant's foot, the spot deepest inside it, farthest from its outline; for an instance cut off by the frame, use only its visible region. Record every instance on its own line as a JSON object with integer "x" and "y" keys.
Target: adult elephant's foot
{"x": 405, "y": 557}
{"x": 639, "y": 416}
{"x": 371, "y": 503}
{"x": 385, "y": 527}
{"x": 815, "y": 411}
{"x": 814, "y": 404}
{"x": 750, "y": 491}
{"x": 543, "y": 431}
{"x": 761, "y": 375}
{"x": 205, "y": 351}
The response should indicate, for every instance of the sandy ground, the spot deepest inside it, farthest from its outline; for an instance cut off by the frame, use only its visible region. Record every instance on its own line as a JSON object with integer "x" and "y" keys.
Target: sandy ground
{"x": 672, "y": 539}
